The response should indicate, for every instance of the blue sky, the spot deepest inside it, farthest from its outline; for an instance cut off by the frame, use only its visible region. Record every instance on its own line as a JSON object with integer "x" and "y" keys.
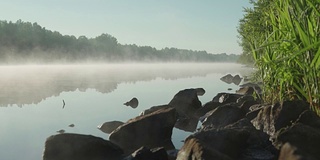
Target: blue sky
{"x": 209, "y": 25}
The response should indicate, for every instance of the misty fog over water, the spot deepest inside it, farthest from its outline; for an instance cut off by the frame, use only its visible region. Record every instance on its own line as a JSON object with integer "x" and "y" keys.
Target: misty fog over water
{"x": 32, "y": 96}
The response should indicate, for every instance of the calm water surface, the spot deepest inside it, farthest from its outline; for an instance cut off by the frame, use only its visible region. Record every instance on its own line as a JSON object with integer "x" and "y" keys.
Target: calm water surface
{"x": 31, "y": 98}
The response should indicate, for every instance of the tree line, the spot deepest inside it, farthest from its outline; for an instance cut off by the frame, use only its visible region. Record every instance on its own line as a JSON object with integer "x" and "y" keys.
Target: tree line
{"x": 25, "y": 41}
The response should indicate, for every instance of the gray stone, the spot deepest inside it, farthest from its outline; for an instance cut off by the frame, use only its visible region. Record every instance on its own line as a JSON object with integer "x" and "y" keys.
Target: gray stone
{"x": 151, "y": 130}
{"x": 80, "y": 147}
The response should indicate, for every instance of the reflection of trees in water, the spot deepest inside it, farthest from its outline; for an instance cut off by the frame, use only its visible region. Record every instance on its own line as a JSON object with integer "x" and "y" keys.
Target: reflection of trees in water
{"x": 31, "y": 85}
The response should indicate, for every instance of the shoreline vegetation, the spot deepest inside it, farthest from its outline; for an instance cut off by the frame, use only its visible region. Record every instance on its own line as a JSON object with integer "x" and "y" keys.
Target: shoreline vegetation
{"x": 26, "y": 42}
{"x": 282, "y": 39}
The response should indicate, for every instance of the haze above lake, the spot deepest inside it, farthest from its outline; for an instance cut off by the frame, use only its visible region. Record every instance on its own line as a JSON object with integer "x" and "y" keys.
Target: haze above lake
{"x": 32, "y": 98}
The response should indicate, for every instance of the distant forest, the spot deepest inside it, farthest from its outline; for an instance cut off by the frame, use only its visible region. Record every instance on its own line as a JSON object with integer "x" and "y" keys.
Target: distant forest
{"x": 24, "y": 42}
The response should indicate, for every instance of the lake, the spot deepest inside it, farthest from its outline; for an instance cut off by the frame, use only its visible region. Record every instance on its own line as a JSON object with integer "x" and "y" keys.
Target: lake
{"x": 31, "y": 98}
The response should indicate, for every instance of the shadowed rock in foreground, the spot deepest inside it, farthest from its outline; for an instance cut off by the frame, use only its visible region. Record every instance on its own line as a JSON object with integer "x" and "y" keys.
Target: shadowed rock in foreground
{"x": 80, "y": 147}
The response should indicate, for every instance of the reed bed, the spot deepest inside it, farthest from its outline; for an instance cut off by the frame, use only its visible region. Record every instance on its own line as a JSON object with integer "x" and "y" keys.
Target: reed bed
{"x": 287, "y": 50}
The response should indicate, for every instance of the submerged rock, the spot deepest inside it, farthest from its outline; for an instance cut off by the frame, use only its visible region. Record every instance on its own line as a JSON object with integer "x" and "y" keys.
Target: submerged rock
{"x": 80, "y": 147}
{"x": 132, "y": 103}
{"x": 231, "y": 79}
{"x": 227, "y": 78}
{"x": 236, "y": 79}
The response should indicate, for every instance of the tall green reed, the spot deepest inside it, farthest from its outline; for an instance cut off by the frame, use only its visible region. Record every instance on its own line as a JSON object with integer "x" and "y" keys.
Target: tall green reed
{"x": 288, "y": 52}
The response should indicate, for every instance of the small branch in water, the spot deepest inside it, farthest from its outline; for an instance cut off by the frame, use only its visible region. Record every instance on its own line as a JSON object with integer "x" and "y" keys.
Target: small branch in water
{"x": 63, "y": 104}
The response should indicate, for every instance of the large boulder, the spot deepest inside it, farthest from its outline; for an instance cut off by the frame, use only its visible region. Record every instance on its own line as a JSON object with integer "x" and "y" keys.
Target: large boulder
{"x": 304, "y": 138}
{"x": 272, "y": 118}
{"x": 206, "y": 108}
{"x": 80, "y": 147}
{"x": 186, "y": 102}
{"x": 289, "y": 152}
{"x": 215, "y": 144}
{"x": 309, "y": 118}
{"x": 145, "y": 153}
{"x": 193, "y": 150}
{"x": 258, "y": 145}
{"x": 151, "y": 130}
{"x": 222, "y": 116}
{"x": 154, "y": 108}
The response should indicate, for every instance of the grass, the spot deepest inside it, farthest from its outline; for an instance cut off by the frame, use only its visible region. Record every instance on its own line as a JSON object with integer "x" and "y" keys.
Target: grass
{"x": 288, "y": 53}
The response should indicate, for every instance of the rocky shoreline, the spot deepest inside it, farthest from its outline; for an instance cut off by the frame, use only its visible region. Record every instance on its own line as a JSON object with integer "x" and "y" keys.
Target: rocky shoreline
{"x": 233, "y": 127}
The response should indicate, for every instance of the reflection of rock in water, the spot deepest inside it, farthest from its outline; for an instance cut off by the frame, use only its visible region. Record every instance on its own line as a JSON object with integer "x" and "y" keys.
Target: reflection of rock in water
{"x": 132, "y": 103}
{"x": 108, "y": 127}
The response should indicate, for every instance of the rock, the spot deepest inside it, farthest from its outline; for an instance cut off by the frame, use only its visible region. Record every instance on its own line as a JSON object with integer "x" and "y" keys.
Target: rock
{"x": 61, "y": 131}
{"x": 186, "y": 102}
{"x": 247, "y": 90}
{"x": 110, "y": 126}
{"x": 309, "y": 118}
{"x": 145, "y": 153}
{"x": 255, "y": 86}
{"x": 132, "y": 103}
{"x": 80, "y": 147}
{"x": 289, "y": 152}
{"x": 215, "y": 144}
{"x": 272, "y": 118}
{"x": 305, "y": 139}
{"x": 226, "y": 98}
{"x": 151, "y": 130}
{"x": 231, "y": 79}
{"x": 187, "y": 124}
{"x": 194, "y": 150}
{"x": 227, "y": 78}
{"x": 206, "y": 108}
{"x": 223, "y": 116}
{"x": 259, "y": 147}
{"x": 200, "y": 91}
{"x": 154, "y": 108}
{"x": 245, "y": 106}
{"x": 236, "y": 79}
